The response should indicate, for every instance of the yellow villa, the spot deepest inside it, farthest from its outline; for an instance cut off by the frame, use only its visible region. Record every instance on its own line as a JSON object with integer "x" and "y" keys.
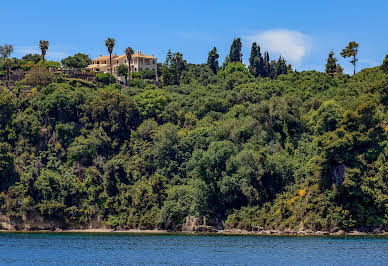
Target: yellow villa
{"x": 139, "y": 62}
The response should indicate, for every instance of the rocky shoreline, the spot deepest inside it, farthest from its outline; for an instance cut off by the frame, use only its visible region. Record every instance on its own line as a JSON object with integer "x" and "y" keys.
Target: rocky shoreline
{"x": 192, "y": 225}
{"x": 212, "y": 232}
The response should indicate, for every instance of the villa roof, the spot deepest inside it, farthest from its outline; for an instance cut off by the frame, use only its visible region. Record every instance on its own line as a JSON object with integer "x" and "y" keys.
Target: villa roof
{"x": 121, "y": 56}
{"x": 105, "y": 57}
{"x": 144, "y": 56}
{"x": 114, "y": 56}
{"x": 96, "y": 65}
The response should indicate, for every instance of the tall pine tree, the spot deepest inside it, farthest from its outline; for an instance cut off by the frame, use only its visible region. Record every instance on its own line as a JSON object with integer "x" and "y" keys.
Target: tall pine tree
{"x": 256, "y": 61}
{"x": 212, "y": 60}
{"x": 167, "y": 75}
{"x": 266, "y": 65}
{"x": 281, "y": 66}
{"x": 351, "y": 51}
{"x": 252, "y": 58}
{"x": 331, "y": 65}
{"x": 235, "y": 54}
{"x": 177, "y": 67}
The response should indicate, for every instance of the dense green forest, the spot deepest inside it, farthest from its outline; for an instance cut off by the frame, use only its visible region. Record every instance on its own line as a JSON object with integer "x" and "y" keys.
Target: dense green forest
{"x": 262, "y": 145}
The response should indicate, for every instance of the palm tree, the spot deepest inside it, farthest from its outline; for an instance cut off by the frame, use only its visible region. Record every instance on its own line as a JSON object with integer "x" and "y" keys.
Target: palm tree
{"x": 129, "y": 52}
{"x": 43, "y": 45}
{"x": 110, "y": 43}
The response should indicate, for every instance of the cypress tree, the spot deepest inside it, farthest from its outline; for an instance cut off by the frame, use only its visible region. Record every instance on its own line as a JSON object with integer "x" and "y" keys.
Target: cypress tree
{"x": 177, "y": 67}
{"x": 168, "y": 58}
{"x": 273, "y": 69}
{"x": 253, "y": 60}
{"x": 167, "y": 73}
{"x": 281, "y": 66}
{"x": 331, "y": 65}
{"x": 235, "y": 54}
{"x": 266, "y": 65}
{"x": 212, "y": 60}
{"x": 260, "y": 62}
{"x": 256, "y": 61}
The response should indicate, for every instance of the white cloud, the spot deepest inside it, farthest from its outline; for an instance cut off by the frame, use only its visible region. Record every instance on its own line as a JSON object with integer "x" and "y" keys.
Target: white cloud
{"x": 292, "y": 45}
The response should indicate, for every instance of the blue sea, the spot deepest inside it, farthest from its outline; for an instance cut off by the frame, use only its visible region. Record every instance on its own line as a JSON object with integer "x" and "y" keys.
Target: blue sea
{"x": 180, "y": 249}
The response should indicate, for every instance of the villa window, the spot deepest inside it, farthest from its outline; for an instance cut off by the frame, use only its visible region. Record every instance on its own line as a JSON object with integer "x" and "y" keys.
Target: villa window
{"x": 153, "y": 62}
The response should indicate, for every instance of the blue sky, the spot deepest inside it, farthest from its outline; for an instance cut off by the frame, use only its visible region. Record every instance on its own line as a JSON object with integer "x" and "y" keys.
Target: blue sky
{"x": 302, "y": 31}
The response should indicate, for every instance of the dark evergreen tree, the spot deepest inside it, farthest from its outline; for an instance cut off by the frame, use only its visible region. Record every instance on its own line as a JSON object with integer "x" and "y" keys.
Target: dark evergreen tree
{"x": 281, "y": 66}
{"x": 178, "y": 65}
{"x": 172, "y": 68}
{"x": 168, "y": 58}
{"x": 212, "y": 60}
{"x": 273, "y": 69}
{"x": 252, "y": 59}
{"x": 266, "y": 65}
{"x": 256, "y": 61}
{"x": 167, "y": 74}
{"x": 331, "y": 65}
{"x": 235, "y": 54}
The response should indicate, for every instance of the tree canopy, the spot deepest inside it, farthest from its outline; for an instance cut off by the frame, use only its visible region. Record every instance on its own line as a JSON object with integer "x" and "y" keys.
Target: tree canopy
{"x": 247, "y": 147}
{"x": 77, "y": 61}
{"x": 212, "y": 60}
{"x": 351, "y": 51}
{"x": 235, "y": 54}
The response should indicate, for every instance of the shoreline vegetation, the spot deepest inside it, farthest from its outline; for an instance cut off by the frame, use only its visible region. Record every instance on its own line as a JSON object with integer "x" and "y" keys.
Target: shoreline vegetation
{"x": 217, "y": 232}
{"x": 230, "y": 149}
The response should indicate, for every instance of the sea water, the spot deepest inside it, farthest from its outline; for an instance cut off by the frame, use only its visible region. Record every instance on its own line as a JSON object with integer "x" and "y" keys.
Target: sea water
{"x": 169, "y": 249}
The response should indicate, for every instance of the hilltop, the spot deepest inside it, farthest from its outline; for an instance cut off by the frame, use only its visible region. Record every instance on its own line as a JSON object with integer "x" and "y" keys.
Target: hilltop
{"x": 293, "y": 151}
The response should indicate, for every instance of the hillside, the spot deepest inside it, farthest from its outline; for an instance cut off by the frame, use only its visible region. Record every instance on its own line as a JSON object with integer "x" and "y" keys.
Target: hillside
{"x": 298, "y": 151}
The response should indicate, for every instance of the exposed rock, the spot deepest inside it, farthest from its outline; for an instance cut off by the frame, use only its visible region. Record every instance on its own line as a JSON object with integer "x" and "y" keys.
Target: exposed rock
{"x": 377, "y": 231}
{"x": 339, "y": 233}
{"x": 338, "y": 174}
{"x": 257, "y": 228}
{"x": 204, "y": 228}
{"x": 199, "y": 224}
{"x": 29, "y": 222}
{"x": 178, "y": 227}
{"x": 321, "y": 233}
{"x": 34, "y": 221}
